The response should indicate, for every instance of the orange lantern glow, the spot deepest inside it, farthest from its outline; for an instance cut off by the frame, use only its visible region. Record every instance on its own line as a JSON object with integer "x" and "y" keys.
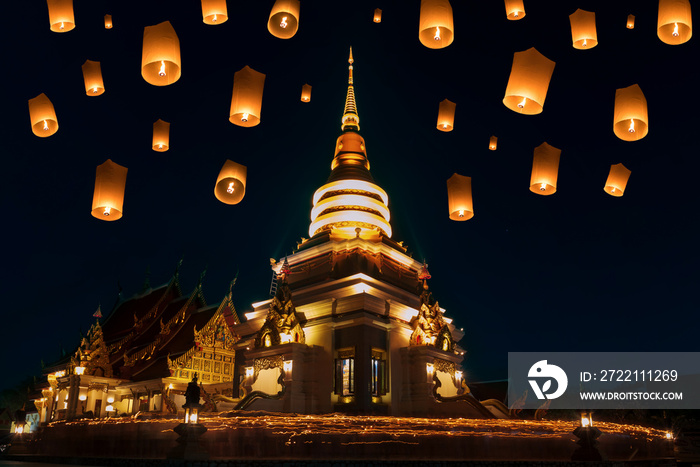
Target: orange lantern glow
{"x": 617, "y": 180}
{"x": 446, "y": 115}
{"x": 583, "y": 31}
{"x": 675, "y": 25}
{"x": 214, "y": 12}
{"x": 92, "y": 74}
{"x": 515, "y": 9}
{"x": 377, "y": 15}
{"x": 436, "y": 28}
{"x": 160, "y": 60}
{"x": 528, "y": 82}
{"x": 459, "y": 197}
{"x": 284, "y": 19}
{"x": 108, "y": 200}
{"x": 161, "y": 136}
{"x": 631, "y": 121}
{"x": 43, "y": 116}
{"x": 630, "y": 22}
{"x": 493, "y": 143}
{"x": 306, "y": 93}
{"x": 230, "y": 184}
{"x": 108, "y": 21}
{"x": 545, "y": 168}
{"x": 246, "y": 101}
{"x": 61, "y": 18}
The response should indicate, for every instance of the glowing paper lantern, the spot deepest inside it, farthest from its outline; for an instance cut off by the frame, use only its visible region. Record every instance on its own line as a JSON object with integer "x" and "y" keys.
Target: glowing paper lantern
{"x": 377, "y": 15}
{"x": 284, "y": 19}
{"x": 631, "y": 121}
{"x": 230, "y": 185}
{"x": 515, "y": 9}
{"x": 214, "y": 11}
{"x": 617, "y": 180}
{"x": 92, "y": 74}
{"x": 108, "y": 200}
{"x": 306, "y": 93}
{"x": 42, "y": 116}
{"x": 545, "y": 168}
{"x": 459, "y": 197}
{"x": 108, "y": 21}
{"x": 446, "y": 115}
{"x": 675, "y": 25}
{"x": 161, "y": 136}
{"x": 436, "y": 28}
{"x": 493, "y": 143}
{"x": 246, "y": 101}
{"x": 630, "y": 22}
{"x": 583, "y": 31}
{"x": 61, "y": 16}
{"x": 528, "y": 82}
{"x": 160, "y": 60}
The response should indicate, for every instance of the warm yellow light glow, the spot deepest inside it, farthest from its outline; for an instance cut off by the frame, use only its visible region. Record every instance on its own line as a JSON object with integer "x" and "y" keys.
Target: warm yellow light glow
{"x": 244, "y": 117}
{"x": 249, "y": 372}
{"x": 109, "y": 408}
{"x": 94, "y": 90}
{"x": 229, "y": 190}
{"x": 287, "y": 366}
{"x": 170, "y": 386}
{"x": 60, "y": 373}
{"x": 437, "y": 33}
{"x": 19, "y": 429}
{"x": 351, "y": 185}
{"x": 107, "y": 211}
{"x": 283, "y": 23}
{"x": 350, "y": 200}
{"x": 516, "y": 13}
{"x": 675, "y": 30}
{"x": 429, "y": 368}
{"x": 62, "y": 26}
{"x": 79, "y": 370}
{"x": 46, "y": 126}
{"x": 461, "y": 213}
{"x": 543, "y": 187}
{"x": 458, "y": 375}
{"x": 585, "y": 421}
{"x": 214, "y": 18}
{"x": 161, "y": 72}
{"x": 285, "y": 338}
{"x": 631, "y": 128}
{"x": 669, "y": 435}
{"x": 82, "y": 397}
{"x": 110, "y": 400}
{"x": 521, "y": 105}
{"x": 584, "y": 43}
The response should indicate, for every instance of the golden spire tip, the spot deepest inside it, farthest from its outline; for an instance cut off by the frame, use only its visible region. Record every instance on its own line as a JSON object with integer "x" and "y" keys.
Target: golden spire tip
{"x": 350, "y": 60}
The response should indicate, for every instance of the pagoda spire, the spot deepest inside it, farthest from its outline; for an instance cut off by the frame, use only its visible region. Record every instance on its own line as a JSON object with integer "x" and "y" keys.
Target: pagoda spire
{"x": 350, "y": 120}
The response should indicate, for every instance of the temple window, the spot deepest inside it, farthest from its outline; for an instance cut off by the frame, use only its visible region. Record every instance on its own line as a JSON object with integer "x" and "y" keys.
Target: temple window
{"x": 379, "y": 380}
{"x": 345, "y": 373}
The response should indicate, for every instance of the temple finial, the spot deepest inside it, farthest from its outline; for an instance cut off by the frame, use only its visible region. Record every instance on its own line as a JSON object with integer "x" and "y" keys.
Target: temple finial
{"x": 350, "y": 120}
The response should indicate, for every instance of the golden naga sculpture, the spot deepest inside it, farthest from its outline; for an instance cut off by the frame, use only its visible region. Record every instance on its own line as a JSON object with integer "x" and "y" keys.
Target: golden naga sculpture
{"x": 281, "y": 324}
{"x": 429, "y": 327}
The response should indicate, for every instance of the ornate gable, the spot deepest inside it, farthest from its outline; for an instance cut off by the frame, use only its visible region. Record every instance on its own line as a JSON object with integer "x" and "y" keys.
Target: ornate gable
{"x": 429, "y": 327}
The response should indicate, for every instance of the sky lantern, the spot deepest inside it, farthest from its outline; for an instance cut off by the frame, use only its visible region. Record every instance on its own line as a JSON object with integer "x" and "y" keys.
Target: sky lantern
{"x": 545, "y": 169}
{"x": 214, "y": 11}
{"x": 675, "y": 24}
{"x": 161, "y": 136}
{"x": 583, "y": 31}
{"x": 493, "y": 143}
{"x": 108, "y": 22}
{"x": 377, "y": 15}
{"x": 528, "y": 82}
{"x": 436, "y": 28}
{"x": 61, "y": 16}
{"x": 515, "y": 9}
{"x": 160, "y": 60}
{"x": 246, "y": 101}
{"x": 92, "y": 74}
{"x": 617, "y": 180}
{"x": 230, "y": 184}
{"x": 631, "y": 121}
{"x": 446, "y": 115}
{"x": 108, "y": 200}
{"x": 43, "y": 116}
{"x": 630, "y": 22}
{"x": 284, "y": 19}
{"x": 306, "y": 93}
{"x": 459, "y": 197}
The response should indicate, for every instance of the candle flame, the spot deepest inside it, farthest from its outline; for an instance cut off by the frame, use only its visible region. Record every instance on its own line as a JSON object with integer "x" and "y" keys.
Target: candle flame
{"x": 214, "y": 19}
{"x": 521, "y": 105}
{"x": 229, "y": 190}
{"x": 461, "y": 213}
{"x": 444, "y": 125}
{"x": 437, "y": 33}
{"x": 107, "y": 211}
{"x": 160, "y": 146}
{"x": 283, "y": 24}
{"x": 631, "y": 128}
{"x": 94, "y": 91}
{"x": 584, "y": 43}
{"x": 675, "y": 29}
{"x": 515, "y": 14}
{"x": 585, "y": 421}
{"x": 62, "y": 26}
{"x": 161, "y": 72}
{"x": 46, "y": 126}
{"x": 543, "y": 187}
{"x": 244, "y": 117}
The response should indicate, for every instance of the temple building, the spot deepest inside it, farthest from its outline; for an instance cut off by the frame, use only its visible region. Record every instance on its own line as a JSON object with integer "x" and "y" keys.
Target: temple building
{"x": 352, "y": 327}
